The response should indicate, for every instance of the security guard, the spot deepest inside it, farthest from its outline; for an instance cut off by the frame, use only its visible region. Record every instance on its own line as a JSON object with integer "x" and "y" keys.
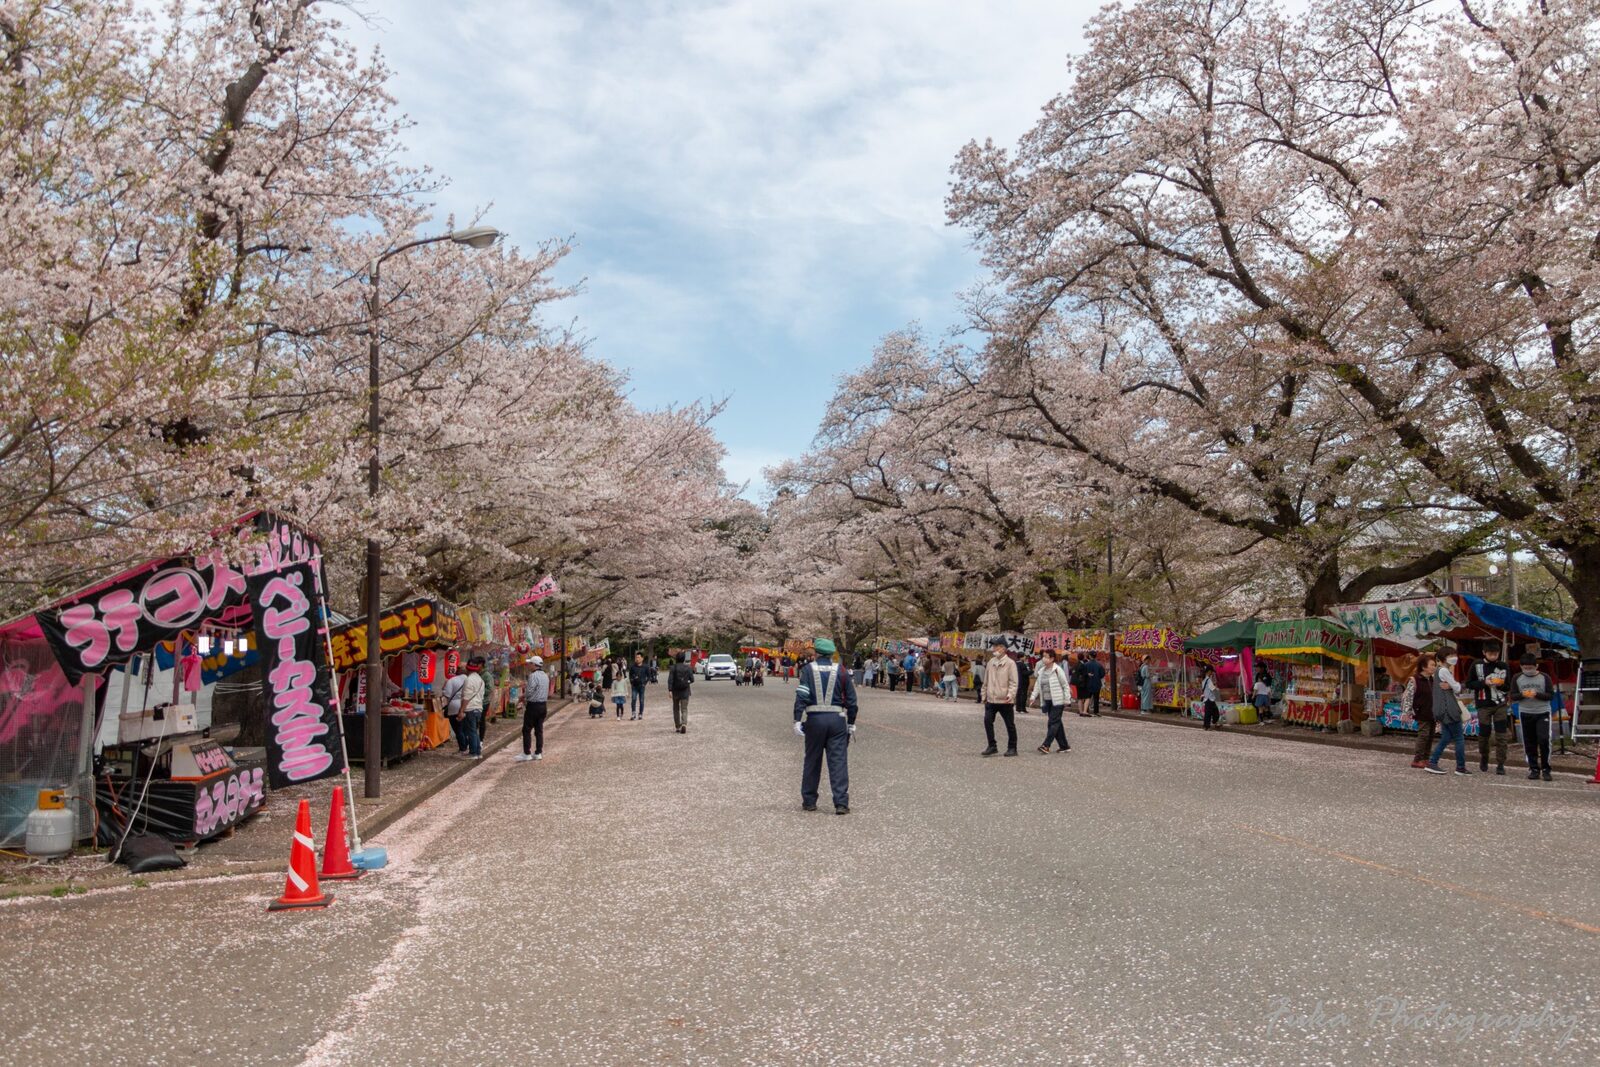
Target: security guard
{"x": 825, "y": 715}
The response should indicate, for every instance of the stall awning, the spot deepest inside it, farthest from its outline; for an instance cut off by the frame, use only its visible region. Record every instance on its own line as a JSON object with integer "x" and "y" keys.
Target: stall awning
{"x": 1419, "y": 617}
{"x": 1306, "y": 640}
{"x": 1458, "y": 615}
{"x": 1071, "y": 641}
{"x": 1513, "y": 620}
{"x": 1240, "y": 634}
{"x": 421, "y": 623}
{"x": 1150, "y": 639}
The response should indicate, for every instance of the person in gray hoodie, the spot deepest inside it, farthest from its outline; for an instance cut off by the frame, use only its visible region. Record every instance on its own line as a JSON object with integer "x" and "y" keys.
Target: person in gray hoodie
{"x": 1533, "y": 690}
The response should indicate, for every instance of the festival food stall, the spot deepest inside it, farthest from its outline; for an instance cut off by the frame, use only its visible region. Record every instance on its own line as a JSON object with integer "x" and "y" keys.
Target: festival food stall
{"x": 1069, "y": 644}
{"x": 1230, "y": 648}
{"x": 418, "y": 640}
{"x": 1399, "y": 629}
{"x": 164, "y": 772}
{"x": 486, "y": 634}
{"x": 1174, "y": 684}
{"x": 953, "y": 646}
{"x": 1321, "y": 656}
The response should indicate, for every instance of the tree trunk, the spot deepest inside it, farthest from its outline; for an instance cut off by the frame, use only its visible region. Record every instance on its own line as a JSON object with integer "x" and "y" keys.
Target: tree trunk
{"x": 1010, "y": 615}
{"x": 1323, "y": 588}
{"x": 1585, "y": 589}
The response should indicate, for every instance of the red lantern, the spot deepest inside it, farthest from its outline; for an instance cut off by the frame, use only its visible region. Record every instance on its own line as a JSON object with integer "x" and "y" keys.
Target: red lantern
{"x": 427, "y": 665}
{"x": 452, "y": 663}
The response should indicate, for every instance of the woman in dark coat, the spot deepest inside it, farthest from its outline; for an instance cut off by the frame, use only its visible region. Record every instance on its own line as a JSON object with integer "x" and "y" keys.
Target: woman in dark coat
{"x": 1419, "y": 691}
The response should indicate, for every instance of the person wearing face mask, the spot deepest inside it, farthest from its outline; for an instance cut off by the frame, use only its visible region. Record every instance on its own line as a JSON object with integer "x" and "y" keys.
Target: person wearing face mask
{"x": 1534, "y": 688}
{"x": 1488, "y": 679}
{"x": 1418, "y": 699}
{"x": 1447, "y": 712}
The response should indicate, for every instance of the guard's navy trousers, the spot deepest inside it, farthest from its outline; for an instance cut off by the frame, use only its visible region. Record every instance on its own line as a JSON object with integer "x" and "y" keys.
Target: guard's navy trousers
{"x": 826, "y": 732}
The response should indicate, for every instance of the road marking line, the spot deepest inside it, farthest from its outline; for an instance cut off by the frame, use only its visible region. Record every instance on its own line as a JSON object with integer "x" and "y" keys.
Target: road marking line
{"x": 1486, "y": 898}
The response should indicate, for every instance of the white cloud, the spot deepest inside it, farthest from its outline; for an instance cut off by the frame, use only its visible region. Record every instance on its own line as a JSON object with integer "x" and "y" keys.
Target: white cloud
{"x": 749, "y": 181}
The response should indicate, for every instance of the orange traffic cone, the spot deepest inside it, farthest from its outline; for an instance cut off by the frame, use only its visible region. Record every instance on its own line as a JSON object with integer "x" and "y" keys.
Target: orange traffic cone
{"x": 301, "y": 890}
{"x": 336, "y": 864}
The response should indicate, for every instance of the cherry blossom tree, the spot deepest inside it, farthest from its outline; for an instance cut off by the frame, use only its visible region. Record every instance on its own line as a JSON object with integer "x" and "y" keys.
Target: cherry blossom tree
{"x": 1335, "y": 264}
{"x": 919, "y": 501}
{"x": 190, "y": 211}
{"x": 172, "y": 202}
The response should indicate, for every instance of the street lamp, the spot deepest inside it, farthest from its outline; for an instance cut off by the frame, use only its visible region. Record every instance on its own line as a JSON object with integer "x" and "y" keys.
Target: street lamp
{"x": 475, "y": 237}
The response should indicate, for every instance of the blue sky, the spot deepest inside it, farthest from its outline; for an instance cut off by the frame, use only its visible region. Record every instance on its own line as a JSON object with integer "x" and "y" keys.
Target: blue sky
{"x": 755, "y": 187}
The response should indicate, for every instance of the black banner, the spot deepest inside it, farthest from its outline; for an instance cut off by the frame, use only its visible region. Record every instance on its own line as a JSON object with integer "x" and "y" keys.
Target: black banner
{"x": 302, "y": 724}
{"x": 113, "y": 624}
{"x": 95, "y": 631}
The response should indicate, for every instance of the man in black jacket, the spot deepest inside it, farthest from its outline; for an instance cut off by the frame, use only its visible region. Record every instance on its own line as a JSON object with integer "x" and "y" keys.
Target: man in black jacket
{"x": 638, "y": 678}
{"x": 1487, "y": 679}
{"x": 679, "y": 679}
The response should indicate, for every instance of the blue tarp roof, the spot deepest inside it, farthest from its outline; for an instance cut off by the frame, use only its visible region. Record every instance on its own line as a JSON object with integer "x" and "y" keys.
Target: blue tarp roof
{"x": 1500, "y": 617}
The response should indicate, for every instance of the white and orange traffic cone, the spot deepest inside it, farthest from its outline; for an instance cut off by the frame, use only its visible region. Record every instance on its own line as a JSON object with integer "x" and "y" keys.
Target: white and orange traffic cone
{"x": 336, "y": 864}
{"x": 301, "y": 889}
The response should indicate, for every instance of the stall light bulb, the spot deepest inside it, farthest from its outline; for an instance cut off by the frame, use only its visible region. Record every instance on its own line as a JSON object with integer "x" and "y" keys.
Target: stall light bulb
{"x": 242, "y": 643}
{"x": 227, "y": 646}
{"x": 202, "y": 644}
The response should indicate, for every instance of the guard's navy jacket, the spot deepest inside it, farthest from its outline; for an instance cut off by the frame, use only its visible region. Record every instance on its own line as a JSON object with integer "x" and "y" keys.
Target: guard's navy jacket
{"x": 812, "y": 685}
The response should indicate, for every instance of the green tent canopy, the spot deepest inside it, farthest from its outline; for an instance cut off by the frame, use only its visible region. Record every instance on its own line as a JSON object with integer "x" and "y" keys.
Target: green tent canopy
{"x": 1308, "y": 640}
{"x": 1240, "y": 634}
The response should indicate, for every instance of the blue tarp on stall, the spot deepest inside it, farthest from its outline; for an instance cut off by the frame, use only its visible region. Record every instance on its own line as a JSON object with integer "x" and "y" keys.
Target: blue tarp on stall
{"x": 1500, "y": 617}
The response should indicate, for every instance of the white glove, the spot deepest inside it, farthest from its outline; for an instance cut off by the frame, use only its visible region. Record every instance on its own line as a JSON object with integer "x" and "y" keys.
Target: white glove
{"x": 852, "y": 727}
{"x": 799, "y": 729}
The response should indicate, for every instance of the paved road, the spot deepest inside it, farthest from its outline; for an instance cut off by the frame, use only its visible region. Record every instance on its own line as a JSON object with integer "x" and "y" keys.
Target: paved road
{"x": 1155, "y": 896}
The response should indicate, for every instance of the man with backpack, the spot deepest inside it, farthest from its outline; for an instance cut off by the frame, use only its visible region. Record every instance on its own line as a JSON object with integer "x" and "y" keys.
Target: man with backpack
{"x": 679, "y": 679}
{"x": 1534, "y": 690}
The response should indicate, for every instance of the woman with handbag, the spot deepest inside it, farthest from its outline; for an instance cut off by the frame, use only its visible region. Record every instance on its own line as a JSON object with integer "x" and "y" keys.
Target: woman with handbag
{"x": 1447, "y": 712}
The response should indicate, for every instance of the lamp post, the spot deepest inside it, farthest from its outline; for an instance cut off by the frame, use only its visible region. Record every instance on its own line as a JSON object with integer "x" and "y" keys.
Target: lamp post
{"x": 877, "y": 628}
{"x": 1111, "y": 622}
{"x": 372, "y": 732}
